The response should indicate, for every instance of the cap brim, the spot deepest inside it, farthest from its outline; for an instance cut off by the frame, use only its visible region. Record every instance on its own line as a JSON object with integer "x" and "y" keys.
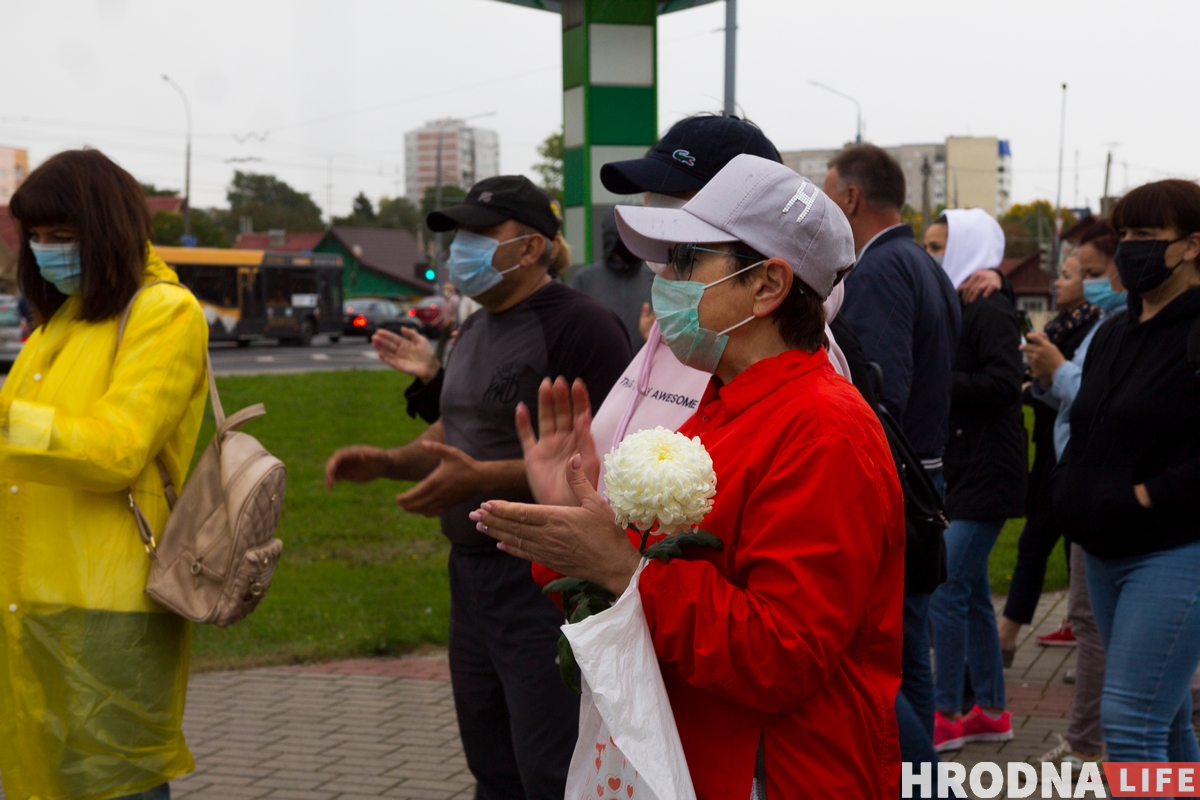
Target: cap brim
{"x": 647, "y": 175}
{"x": 649, "y": 233}
{"x": 465, "y": 215}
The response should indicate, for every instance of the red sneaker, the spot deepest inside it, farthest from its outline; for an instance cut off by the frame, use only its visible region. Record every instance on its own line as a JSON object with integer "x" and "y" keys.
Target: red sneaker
{"x": 947, "y": 733}
{"x": 979, "y": 726}
{"x": 1063, "y": 637}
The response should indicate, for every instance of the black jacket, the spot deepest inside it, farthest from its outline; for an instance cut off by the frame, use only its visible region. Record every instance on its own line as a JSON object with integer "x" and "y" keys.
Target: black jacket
{"x": 621, "y": 283}
{"x": 987, "y": 454}
{"x": 1136, "y": 419}
{"x": 906, "y": 313}
{"x": 1039, "y": 503}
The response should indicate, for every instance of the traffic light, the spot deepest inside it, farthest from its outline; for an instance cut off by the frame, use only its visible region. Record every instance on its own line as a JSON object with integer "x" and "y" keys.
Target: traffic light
{"x": 1044, "y": 258}
{"x": 430, "y": 274}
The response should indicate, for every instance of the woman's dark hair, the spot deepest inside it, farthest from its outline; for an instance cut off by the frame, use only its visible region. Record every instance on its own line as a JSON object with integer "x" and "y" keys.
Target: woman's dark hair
{"x": 1101, "y": 236}
{"x": 1172, "y": 203}
{"x": 86, "y": 189}
{"x": 801, "y": 315}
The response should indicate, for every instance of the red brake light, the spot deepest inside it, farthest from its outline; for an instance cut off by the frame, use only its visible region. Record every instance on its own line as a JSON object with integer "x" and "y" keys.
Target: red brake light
{"x": 359, "y": 322}
{"x": 412, "y": 312}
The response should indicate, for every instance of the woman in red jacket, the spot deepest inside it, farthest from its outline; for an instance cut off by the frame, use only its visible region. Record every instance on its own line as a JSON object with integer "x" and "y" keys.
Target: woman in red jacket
{"x": 789, "y": 638}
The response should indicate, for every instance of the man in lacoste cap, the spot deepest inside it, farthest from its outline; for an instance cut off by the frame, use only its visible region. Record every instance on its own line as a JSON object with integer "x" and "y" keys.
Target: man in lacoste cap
{"x": 494, "y": 200}
{"x": 758, "y": 202}
{"x": 688, "y": 156}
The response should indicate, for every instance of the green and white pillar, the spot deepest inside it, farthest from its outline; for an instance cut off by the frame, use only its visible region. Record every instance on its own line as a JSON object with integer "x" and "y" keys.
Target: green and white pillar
{"x": 610, "y": 106}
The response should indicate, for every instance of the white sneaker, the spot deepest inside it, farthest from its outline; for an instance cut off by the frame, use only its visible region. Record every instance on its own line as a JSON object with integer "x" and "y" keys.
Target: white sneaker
{"x": 1062, "y": 753}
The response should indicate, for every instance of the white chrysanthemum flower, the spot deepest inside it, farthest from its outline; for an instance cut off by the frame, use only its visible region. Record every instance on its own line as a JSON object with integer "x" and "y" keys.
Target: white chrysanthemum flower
{"x": 660, "y": 475}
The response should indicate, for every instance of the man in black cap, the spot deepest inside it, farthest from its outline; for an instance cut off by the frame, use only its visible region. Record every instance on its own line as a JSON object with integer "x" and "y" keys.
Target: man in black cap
{"x": 517, "y": 719}
{"x": 686, "y": 158}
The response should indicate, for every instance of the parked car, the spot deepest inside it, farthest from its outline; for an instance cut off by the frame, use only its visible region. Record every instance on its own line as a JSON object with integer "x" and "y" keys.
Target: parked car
{"x": 12, "y": 332}
{"x": 365, "y": 315}
{"x": 427, "y": 312}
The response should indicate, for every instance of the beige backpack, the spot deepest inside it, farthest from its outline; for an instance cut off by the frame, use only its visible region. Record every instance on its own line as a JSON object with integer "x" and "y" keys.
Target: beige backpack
{"x": 218, "y": 552}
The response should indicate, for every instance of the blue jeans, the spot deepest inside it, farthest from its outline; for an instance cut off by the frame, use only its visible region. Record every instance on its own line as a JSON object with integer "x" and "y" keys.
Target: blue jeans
{"x": 914, "y": 701}
{"x": 964, "y": 620}
{"x": 162, "y": 792}
{"x": 1147, "y": 610}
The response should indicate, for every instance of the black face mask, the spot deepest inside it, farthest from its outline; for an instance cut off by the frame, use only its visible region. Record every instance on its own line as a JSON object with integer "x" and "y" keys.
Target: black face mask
{"x": 1142, "y": 264}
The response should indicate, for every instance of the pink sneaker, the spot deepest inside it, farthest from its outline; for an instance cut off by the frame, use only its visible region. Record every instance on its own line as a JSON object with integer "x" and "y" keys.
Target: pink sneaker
{"x": 947, "y": 733}
{"x": 979, "y": 726}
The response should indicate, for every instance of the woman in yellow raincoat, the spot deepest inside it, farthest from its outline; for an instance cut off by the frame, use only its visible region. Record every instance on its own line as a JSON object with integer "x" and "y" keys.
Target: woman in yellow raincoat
{"x": 93, "y": 673}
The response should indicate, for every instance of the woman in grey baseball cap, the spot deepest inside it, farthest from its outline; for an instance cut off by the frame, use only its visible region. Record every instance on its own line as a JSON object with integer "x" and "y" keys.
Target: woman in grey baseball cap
{"x": 787, "y": 641}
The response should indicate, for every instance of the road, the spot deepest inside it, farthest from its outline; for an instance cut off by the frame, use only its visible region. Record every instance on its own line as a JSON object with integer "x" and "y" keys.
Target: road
{"x": 267, "y": 357}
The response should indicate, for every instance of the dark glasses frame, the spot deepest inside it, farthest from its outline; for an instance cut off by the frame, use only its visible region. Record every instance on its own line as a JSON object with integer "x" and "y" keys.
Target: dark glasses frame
{"x": 682, "y": 258}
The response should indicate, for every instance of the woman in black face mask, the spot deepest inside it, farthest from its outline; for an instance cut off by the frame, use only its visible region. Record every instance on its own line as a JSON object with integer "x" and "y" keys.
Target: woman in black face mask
{"x": 1129, "y": 486}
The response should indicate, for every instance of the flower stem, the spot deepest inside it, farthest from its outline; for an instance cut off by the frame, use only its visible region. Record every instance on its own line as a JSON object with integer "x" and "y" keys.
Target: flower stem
{"x": 645, "y": 538}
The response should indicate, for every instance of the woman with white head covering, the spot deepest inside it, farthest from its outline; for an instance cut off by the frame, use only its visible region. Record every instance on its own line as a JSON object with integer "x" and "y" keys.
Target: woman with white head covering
{"x": 985, "y": 484}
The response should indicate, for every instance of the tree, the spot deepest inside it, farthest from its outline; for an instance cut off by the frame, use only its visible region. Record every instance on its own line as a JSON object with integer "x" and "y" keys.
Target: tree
{"x": 1028, "y": 225}
{"x": 550, "y": 168}
{"x": 150, "y": 190}
{"x": 272, "y": 204}
{"x": 362, "y": 214}
{"x": 167, "y": 228}
{"x": 400, "y": 213}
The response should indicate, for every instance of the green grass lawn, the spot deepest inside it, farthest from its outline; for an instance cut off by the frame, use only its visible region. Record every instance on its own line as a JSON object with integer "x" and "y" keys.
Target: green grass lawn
{"x": 358, "y": 575}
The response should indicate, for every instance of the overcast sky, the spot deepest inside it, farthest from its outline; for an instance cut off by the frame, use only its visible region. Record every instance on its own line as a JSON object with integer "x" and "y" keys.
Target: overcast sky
{"x": 294, "y": 87}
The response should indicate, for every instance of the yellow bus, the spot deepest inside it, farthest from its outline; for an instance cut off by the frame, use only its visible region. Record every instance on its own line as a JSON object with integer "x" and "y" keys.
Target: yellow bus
{"x": 260, "y": 294}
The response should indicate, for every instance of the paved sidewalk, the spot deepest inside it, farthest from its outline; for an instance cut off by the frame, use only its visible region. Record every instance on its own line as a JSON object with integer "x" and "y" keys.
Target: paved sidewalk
{"x": 375, "y": 728}
{"x": 349, "y": 730}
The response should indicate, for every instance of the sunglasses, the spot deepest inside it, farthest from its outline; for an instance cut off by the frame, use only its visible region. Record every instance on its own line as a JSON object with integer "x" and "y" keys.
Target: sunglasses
{"x": 682, "y": 258}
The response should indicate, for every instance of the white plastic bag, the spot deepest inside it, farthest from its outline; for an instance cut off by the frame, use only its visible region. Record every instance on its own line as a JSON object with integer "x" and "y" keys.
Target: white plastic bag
{"x": 628, "y": 746}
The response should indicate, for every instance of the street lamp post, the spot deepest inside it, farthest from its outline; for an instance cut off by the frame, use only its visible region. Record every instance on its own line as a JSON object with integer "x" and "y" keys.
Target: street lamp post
{"x": 730, "y": 57}
{"x": 858, "y": 124}
{"x": 437, "y": 191}
{"x": 187, "y": 180}
{"x": 1058, "y": 220}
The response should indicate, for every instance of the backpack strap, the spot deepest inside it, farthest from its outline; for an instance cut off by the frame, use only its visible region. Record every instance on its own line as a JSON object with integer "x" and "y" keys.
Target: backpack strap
{"x": 145, "y": 532}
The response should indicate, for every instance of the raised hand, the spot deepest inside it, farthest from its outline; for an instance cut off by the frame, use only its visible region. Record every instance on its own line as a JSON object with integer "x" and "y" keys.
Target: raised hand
{"x": 564, "y": 429}
{"x": 458, "y": 477}
{"x": 408, "y": 352}
{"x": 582, "y": 542}
{"x": 359, "y": 463}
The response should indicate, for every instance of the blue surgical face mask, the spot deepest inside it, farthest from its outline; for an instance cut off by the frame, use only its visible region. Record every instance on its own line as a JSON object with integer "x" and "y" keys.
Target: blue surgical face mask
{"x": 677, "y": 307}
{"x": 59, "y": 264}
{"x": 1099, "y": 292}
{"x": 470, "y": 263}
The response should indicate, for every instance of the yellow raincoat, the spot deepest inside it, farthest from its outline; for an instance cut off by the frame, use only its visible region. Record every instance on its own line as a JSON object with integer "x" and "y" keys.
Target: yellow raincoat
{"x": 93, "y": 673}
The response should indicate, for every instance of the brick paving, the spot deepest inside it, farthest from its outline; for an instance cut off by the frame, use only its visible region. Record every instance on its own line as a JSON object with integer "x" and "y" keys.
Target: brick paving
{"x": 373, "y": 728}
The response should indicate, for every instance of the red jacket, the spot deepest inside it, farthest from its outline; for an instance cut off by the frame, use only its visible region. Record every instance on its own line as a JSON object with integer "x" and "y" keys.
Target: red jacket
{"x": 792, "y": 633}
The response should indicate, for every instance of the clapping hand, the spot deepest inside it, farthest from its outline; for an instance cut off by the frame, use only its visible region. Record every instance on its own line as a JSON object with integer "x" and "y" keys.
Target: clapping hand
{"x": 564, "y": 429}
{"x": 408, "y": 352}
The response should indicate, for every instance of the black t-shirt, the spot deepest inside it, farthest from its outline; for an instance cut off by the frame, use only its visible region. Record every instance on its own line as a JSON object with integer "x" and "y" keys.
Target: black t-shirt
{"x": 500, "y": 360}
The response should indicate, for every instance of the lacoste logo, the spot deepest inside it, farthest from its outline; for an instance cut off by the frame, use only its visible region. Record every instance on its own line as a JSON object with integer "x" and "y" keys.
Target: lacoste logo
{"x": 486, "y": 197}
{"x": 684, "y": 157}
